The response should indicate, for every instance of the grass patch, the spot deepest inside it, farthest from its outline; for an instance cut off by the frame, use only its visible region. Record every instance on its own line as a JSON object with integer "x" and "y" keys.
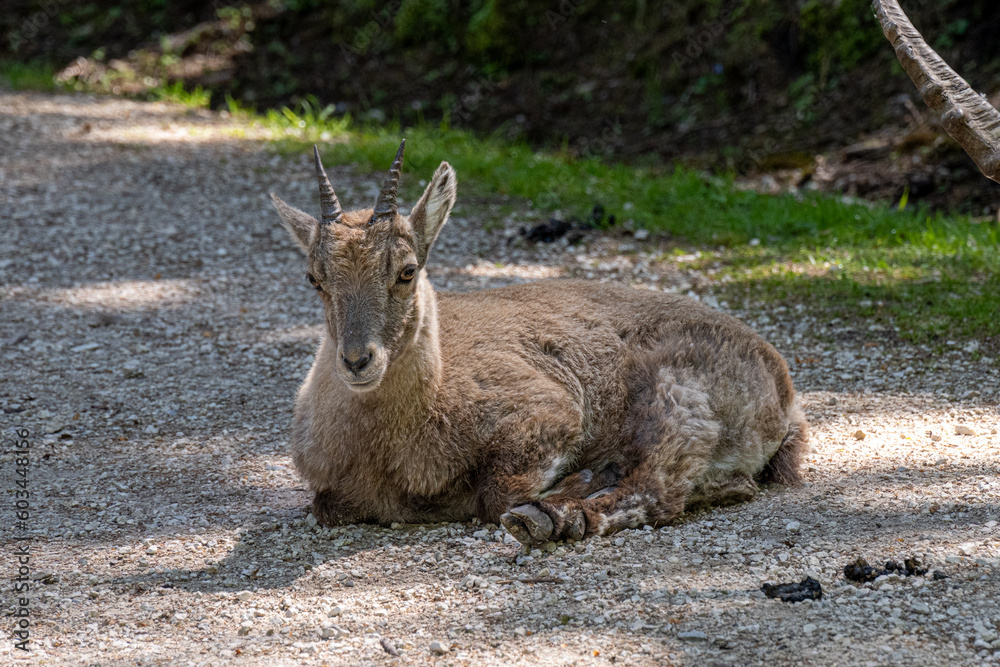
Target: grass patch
{"x": 40, "y": 75}
{"x": 196, "y": 98}
{"x": 928, "y": 296}
{"x": 31, "y": 75}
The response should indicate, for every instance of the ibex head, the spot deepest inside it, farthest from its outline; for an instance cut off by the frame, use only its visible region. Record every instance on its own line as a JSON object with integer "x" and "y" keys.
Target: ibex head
{"x": 367, "y": 266}
{"x": 965, "y": 114}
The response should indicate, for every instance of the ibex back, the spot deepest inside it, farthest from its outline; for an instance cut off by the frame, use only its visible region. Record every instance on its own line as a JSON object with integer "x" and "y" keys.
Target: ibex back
{"x": 561, "y": 408}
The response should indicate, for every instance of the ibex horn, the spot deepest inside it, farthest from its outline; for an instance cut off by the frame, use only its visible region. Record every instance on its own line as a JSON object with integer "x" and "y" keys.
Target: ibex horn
{"x": 385, "y": 204}
{"x": 329, "y": 205}
{"x": 965, "y": 114}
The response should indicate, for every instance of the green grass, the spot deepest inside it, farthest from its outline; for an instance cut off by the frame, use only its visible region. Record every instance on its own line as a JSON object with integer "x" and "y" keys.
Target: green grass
{"x": 928, "y": 294}
{"x": 32, "y": 75}
{"x": 196, "y": 98}
{"x": 932, "y": 275}
{"x": 40, "y": 75}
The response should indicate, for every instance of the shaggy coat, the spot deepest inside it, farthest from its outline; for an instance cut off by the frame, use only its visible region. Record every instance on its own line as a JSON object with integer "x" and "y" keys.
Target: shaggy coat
{"x": 562, "y": 408}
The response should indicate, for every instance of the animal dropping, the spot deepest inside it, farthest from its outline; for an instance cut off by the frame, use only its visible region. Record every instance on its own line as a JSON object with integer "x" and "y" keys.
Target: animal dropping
{"x": 559, "y": 408}
{"x": 860, "y": 571}
{"x": 807, "y": 589}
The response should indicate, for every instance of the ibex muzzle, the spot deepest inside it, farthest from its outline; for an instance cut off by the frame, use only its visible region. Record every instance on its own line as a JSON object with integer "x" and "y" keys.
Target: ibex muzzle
{"x": 356, "y": 327}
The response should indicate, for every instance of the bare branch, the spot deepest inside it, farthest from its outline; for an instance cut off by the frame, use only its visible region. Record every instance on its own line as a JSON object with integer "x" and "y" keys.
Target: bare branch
{"x": 965, "y": 114}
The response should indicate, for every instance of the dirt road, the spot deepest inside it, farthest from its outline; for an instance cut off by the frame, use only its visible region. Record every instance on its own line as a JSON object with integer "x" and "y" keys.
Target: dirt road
{"x": 155, "y": 323}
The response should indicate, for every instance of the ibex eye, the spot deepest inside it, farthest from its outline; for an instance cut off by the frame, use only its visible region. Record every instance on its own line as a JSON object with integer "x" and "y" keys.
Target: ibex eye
{"x": 406, "y": 275}
{"x": 314, "y": 282}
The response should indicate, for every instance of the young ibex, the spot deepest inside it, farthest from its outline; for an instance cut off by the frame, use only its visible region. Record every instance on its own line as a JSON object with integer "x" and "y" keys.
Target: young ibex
{"x": 560, "y": 408}
{"x": 965, "y": 114}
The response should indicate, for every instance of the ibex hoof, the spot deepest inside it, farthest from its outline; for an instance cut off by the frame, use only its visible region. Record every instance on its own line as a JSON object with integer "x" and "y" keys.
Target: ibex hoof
{"x": 576, "y": 527}
{"x": 528, "y": 524}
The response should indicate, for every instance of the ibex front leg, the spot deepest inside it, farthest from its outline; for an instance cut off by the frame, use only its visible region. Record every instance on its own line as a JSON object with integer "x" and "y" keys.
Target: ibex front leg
{"x": 673, "y": 439}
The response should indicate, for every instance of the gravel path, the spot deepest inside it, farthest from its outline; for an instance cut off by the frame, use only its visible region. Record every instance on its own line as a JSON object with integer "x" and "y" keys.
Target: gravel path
{"x": 155, "y": 324}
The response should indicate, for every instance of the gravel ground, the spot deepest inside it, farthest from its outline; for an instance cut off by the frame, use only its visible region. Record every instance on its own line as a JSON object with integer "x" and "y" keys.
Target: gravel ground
{"x": 156, "y": 324}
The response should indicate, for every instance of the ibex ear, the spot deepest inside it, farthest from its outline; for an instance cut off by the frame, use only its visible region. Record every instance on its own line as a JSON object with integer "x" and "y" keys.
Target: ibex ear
{"x": 299, "y": 224}
{"x": 430, "y": 213}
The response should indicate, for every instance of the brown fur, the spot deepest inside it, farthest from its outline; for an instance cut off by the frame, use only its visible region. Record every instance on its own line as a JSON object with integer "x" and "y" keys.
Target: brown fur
{"x": 535, "y": 395}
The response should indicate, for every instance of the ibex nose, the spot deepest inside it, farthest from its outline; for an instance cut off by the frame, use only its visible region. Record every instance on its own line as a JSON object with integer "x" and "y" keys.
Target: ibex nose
{"x": 357, "y": 359}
